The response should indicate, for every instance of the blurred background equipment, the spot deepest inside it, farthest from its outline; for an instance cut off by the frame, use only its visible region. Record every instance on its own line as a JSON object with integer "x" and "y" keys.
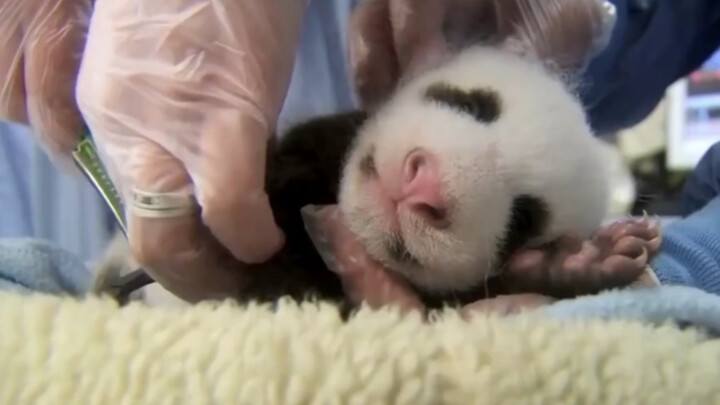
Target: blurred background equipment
{"x": 693, "y": 116}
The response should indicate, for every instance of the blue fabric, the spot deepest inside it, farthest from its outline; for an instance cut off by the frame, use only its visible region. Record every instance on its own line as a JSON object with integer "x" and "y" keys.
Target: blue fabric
{"x": 28, "y": 266}
{"x": 655, "y": 43}
{"x": 35, "y": 265}
{"x": 703, "y": 184}
{"x": 39, "y": 201}
{"x": 320, "y": 81}
{"x": 16, "y": 145}
{"x": 684, "y": 306}
{"x": 690, "y": 253}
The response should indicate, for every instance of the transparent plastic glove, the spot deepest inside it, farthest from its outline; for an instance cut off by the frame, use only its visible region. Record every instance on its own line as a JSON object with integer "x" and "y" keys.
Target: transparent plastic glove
{"x": 41, "y": 47}
{"x": 182, "y": 97}
{"x": 364, "y": 279}
{"x": 394, "y": 40}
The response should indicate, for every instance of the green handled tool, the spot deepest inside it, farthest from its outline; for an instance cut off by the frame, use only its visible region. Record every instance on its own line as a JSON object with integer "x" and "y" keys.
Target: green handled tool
{"x": 88, "y": 160}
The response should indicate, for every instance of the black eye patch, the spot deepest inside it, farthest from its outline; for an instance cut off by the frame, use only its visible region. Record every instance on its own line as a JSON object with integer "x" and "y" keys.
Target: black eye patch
{"x": 367, "y": 164}
{"x": 529, "y": 216}
{"x": 481, "y": 104}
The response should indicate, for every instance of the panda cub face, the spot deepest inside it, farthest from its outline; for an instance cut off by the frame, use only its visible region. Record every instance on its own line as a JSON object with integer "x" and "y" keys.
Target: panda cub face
{"x": 469, "y": 162}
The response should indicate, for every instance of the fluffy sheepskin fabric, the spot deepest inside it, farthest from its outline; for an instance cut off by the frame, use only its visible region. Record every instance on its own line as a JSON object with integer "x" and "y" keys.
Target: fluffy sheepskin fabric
{"x": 69, "y": 351}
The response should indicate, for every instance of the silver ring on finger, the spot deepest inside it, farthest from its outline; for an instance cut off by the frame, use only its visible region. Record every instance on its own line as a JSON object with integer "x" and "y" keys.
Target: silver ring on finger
{"x": 148, "y": 204}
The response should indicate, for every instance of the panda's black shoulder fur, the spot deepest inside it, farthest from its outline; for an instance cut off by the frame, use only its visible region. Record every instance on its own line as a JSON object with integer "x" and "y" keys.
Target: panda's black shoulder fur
{"x": 304, "y": 168}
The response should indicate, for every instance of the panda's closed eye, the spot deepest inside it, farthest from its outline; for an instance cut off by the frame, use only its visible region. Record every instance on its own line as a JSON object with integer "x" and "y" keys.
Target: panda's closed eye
{"x": 481, "y": 104}
{"x": 529, "y": 217}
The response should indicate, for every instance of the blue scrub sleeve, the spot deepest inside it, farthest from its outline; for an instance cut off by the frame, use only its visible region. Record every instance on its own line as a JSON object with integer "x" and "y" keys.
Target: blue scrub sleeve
{"x": 690, "y": 253}
{"x": 704, "y": 183}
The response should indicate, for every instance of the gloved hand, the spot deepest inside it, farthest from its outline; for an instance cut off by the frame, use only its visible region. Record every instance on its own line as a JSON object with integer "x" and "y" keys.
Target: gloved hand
{"x": 391, "y": 41}
{"x": 42, "y": 42}
{"x": 182, "y": 97}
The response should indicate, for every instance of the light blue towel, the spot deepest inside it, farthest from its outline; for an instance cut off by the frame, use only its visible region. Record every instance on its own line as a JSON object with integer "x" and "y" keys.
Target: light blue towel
{"x": 35, "y": 265}
{"x": 31, "y": 265}
{"x": 682, "y": 305}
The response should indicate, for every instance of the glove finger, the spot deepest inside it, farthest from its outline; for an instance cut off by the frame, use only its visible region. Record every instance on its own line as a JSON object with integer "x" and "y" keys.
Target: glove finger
{"x": 371, "y": 47}
{"x": 417, "y": 29}
{"x": 177, "y": 250}
{"x": 12, "y": 93}
{"x": 53, "y": 50}
{"x": 392, "y": 41}
{"x": 230, "y": 184}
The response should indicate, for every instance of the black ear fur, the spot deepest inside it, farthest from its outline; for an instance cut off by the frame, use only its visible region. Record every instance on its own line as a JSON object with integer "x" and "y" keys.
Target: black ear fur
{"x": 483, "y": 105}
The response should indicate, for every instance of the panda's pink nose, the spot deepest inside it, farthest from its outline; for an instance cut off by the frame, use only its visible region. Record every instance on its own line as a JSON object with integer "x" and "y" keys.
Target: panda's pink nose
{"x": 421, "y": 187}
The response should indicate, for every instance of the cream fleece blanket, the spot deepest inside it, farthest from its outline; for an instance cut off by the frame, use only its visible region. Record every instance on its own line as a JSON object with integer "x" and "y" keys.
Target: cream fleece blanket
{"x": 67, "y": 351}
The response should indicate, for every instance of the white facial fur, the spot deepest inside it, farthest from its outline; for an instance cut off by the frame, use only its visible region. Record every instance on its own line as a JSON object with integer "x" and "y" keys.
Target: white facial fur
{"x": 540, "y": 145}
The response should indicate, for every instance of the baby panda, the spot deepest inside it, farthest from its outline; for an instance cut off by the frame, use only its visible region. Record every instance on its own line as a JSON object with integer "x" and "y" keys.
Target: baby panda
{"x": 458, "y": 169}
{"x": 470, "y": 162}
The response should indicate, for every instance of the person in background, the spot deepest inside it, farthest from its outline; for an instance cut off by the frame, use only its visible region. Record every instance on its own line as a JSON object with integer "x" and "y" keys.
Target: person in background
{"x": 183, "y": 98}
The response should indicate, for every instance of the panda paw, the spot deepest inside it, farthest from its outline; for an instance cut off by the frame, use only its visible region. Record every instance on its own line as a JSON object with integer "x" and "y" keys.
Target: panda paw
{"x": 615, "y": 257}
